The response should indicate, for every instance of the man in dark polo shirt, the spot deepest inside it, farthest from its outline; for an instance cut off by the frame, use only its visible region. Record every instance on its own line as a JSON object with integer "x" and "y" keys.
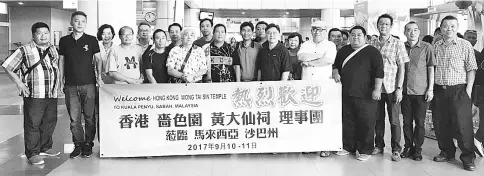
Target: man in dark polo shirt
{"x": 273, "y": 62}
{"x": 359, "y": 68}
{"x": 417, "y": 90}
{"x": 247, "y": 51}
{"x": 77, "y": 68}
{"x": 452, "y": 106}
{"x": 175, "y": 35}
{"x": 206, "y": 26}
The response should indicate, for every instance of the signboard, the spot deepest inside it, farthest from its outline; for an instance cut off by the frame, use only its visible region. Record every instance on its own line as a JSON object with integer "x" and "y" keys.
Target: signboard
{"x": 219, "y": 118}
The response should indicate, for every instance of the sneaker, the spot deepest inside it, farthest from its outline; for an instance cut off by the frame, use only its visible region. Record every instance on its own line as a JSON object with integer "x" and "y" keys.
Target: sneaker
{"x": 363, "y": 157}
{"x": 324, "y": 154}
{"x": 342, "y": 153}
{"x": 86, "y": 150}
{"x": 377, "y": 150}
{"x": 77, "y": 151}
{"x": 49, "y": 152}
{"x": 478, "y": 148}
{"x": 36, "y": 160}
{"x": 396, "y": 156}
{"x": 407, "y": 152}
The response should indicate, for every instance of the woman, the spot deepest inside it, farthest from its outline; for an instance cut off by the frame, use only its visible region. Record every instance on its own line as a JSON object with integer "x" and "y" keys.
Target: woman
{"x": 154, "y": 60}
{"x": 295, "y": 40}
{"x": 105, "y": 35}
{"x": 186, "y": 63}
{"x": 225, "y": 66}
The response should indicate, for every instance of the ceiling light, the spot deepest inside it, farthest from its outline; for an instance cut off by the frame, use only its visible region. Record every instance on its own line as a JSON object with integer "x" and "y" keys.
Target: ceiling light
{"x": 243, "y": 13}
{"x": 20, "y": 3}
{"x": 287, "y": 13}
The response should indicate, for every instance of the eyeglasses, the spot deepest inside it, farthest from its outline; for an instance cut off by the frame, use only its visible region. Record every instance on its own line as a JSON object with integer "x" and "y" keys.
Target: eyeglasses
{"x": 318, "y": 29}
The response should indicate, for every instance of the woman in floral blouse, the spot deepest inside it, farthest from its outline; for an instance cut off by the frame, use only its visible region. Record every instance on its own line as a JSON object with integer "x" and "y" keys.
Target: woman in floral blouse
{"x": 186, "y": 63}
{"x": 225, "y": 66}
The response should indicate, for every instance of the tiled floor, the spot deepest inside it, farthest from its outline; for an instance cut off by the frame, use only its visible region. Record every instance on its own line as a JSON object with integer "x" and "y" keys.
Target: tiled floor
{"x": 13, "y": 163}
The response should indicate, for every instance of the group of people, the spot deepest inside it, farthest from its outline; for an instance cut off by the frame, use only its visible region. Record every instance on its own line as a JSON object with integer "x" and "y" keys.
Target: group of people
{"x": 404, "y": 76}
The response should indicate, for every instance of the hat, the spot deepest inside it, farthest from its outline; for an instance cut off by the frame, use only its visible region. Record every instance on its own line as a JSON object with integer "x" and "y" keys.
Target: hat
{"x": 320, "y": 24}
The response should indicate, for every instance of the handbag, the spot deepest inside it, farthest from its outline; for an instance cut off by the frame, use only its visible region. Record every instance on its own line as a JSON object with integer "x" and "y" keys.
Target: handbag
{"x": 173, "y": 79}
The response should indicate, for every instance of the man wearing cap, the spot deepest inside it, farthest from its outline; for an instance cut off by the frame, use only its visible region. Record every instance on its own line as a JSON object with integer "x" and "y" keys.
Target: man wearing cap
{"x": 394, "y": 58}
{"x": 317, "y": 55}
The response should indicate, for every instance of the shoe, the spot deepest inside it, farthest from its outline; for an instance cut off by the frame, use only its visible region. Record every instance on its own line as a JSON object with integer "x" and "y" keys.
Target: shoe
{"x": 407, "y": 152}
{"x": 470, "y": 167}
{"x": 377, "y": 150}
{"x": 77, "y": 151}
{"x": 417, "y": 156}
{"x": 324, "y": 154}
{"x": 86, "y": 150}
{"x": 396, "y": 156}
{"x": 442, "y": 157}
{"x": 36, "y": 160}
{"x": 49, "y": 152}
{"x": 342, "y": 153}
{"x": 478, "y": 147}
{"x": 363, "y": 157}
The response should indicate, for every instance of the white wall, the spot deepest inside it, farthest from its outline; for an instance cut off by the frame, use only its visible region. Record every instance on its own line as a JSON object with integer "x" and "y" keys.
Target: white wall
{"x": 60, "y": 20}
{"x": 22, "y": 19}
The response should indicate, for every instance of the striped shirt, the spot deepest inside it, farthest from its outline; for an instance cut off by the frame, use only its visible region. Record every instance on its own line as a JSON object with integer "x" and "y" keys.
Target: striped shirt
{"x": 454, "y": 59}
{"x": 394, "y": 54}
{"x": 43, "y": 80}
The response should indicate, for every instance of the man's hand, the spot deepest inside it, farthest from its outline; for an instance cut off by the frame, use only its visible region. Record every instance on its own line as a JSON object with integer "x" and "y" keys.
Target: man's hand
{"x": 469, "y": 92}
{"x": 429, "y": 95}
{"x": 23, "y": 89}
{"x": 335, "y": 76}
{"x": 304, "y": 64}
{"x": 376, "y": 94}
{"x": 100, "y": 82}
{"x": 398, "y": 95}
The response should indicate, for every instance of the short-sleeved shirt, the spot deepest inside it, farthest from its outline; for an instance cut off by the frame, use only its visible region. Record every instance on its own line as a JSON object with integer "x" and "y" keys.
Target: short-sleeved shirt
{"x": 144, "y": 47}
{"x": 157, "y": 63}
{"x": 43, "y": 80}
{"x": 273, "y": 62}
{"x": 454, "y": 59}
{"x": 126, "y": 61}
{"x": 79, "y": 59}
{"x": 296, "y": 65}
{"x": 421, "y": 56}
{"x": 394, "y": 54}
{"x": 222, "y": 68}
{"x": 325, "y": 47}
{"x": 248, "y": 57}
{"x": 196, "y": 61}
{"x": 480, "y": 68}
{"x": 359, "y": 73}
{"x": 169, "y": 47}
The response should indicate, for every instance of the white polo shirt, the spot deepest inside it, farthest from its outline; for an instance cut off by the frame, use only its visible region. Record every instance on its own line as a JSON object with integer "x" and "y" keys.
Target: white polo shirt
{"x": 325, "y": 47}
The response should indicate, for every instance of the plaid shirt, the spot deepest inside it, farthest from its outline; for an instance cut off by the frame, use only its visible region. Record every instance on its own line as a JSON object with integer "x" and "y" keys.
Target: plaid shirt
{"x": 454, "y": 59}
{"x": 394, "y": 54}
{"x": 43, "y": 80}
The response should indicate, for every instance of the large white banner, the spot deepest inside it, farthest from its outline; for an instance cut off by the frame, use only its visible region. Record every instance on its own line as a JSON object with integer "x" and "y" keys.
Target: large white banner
{"x": 218, "y": 118}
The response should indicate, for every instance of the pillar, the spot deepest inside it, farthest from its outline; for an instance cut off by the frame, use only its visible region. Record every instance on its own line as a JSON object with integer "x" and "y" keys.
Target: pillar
{"x": 90, "y": 8}
{"x": 191, "y": 20}
{"x": 332, "y": 17}
{"x": 117, "y": 13}
{"x": 168, "y": 12}
{"x": 305, "y": 28}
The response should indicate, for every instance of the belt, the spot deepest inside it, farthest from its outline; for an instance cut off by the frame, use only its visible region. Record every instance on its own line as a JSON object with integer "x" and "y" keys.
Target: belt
{"x": 448, "y": 87}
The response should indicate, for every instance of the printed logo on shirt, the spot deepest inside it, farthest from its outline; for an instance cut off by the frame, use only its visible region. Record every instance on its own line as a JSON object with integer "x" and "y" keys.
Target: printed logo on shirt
{"x": 130, "y": 62}
{"x": 86, "y": 47}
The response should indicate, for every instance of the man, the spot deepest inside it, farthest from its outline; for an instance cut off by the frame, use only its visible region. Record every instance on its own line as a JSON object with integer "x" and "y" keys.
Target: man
{"x": 37, "y": 62}
{"x": 418, "y": 87}
{"x": 124, "y": 60}
{"x": 317, "y": 55}
{"x": 144, "y": 31}
{"x": 273, "y": 62}
{"x": 77, "y": 51}
{"x": 174, "y": 30}
{"x": 247, "y": 51}
{"x": 359, "y": 68}
{"x": 437, "y": 35}
{"x": 452, "y": 105}
{"x": 394, "y": 57}
{"x": 336, "y": 37}
{"x": 345, "y": 38}
{"x": 478, "y": 93}
{"x": 260, "y": 32}
{"x": 206, "y": 26}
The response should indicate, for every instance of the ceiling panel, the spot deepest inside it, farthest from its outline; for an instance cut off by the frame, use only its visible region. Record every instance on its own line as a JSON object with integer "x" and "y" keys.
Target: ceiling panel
{"x": 272, "y": 13}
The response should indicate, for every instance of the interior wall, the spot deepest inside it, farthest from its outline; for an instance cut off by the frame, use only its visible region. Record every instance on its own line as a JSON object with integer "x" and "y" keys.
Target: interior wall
{"x": 60, "y": 21}
{"x": 22, "y": 19}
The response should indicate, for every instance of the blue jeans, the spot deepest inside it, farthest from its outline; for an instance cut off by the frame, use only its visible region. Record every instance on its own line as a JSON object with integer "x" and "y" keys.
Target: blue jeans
{"x": 81, "y": 100}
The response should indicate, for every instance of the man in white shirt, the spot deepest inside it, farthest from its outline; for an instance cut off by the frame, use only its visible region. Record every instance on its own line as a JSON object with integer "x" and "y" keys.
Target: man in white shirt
{"x": 124, "y": 60}
{"x": 317, "y": 55}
